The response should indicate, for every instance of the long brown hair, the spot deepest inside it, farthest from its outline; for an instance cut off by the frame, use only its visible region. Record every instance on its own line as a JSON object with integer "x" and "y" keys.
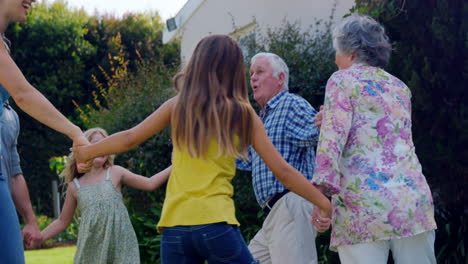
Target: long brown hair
{"x": 213, "y": 100}
{"x": 70, "y": 171}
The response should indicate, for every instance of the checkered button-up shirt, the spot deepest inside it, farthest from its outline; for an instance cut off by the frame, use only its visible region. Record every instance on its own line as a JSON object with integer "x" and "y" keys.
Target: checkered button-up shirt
{"x": 289, "y": 122}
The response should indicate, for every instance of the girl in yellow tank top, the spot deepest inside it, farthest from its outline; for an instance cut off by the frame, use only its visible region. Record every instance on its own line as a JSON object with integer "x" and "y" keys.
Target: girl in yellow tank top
{"x": 212, "y": 124}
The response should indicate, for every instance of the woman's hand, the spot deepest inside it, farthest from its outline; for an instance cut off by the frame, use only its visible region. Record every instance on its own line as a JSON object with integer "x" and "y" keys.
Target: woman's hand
{"x": 80, "y": 140}
{"x": 32, "y": 236}
{"x": 320, "y": 220}
{"x": 81, "y": 163}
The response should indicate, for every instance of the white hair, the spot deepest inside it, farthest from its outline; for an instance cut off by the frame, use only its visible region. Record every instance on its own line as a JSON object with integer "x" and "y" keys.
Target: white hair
{"x": 277, "y": 65}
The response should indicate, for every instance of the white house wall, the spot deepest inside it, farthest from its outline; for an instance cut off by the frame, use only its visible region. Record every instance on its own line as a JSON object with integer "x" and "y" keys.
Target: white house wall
{"x": 226, "y": 16}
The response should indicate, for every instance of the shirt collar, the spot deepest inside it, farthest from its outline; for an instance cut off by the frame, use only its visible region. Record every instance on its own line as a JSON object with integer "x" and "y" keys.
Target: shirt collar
{"x": 359, "y": 64}
{"x": 275, "y": 100}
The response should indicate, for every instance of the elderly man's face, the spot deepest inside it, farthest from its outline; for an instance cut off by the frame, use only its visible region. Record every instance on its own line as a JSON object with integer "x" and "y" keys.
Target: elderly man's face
{"x": 264, "y": 85}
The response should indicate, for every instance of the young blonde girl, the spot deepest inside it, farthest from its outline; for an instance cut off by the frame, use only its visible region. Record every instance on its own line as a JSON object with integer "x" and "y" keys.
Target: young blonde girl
{"x": 212, "y": 124}
{"x": 105, "y": 232}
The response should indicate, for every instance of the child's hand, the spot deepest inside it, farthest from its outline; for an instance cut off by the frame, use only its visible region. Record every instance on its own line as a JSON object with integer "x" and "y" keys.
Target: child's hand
{"x": 320, "y": 220}
{"x": 32, "y": 238}
{"x": 84, "y": 167}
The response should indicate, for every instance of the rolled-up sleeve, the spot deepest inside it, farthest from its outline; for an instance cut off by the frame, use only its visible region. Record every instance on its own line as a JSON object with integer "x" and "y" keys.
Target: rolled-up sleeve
{"x": 301, "y": 129}
{"x": 15, "y": 159}
{"x": 9, "y": 140}
{"x": 245, "y": 164}
{"x": 337, "y": 117}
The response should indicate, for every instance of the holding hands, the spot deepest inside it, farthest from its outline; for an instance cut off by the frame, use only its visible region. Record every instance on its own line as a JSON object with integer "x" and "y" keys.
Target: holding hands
{"x": 321, "y": 223}
{"x": 32, "y": 236}
{"x": 82, "y": 165}
{"x": 321, "y": 219}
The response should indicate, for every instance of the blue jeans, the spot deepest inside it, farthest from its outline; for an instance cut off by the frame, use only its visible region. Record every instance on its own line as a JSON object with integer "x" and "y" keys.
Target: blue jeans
{"x": 11, "y": 243}
{"x": 216, "y": 243}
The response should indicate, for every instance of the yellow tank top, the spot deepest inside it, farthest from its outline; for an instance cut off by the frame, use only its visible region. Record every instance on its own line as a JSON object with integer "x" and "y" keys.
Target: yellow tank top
{"x": 199, "y": 190}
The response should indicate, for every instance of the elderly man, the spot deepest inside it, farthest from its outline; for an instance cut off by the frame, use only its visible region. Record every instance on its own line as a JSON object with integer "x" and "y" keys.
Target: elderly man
{"x": 287, "y": 236}
{"x": 10, "y": 164}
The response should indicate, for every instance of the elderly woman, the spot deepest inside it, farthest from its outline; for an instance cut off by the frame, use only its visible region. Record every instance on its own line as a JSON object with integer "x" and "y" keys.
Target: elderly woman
{"x": 12, "y": 82}
{"x": 366, "y": 157}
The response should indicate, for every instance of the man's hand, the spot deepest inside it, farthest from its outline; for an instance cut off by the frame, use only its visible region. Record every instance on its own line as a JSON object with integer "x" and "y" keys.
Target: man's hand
{"x": 32, "y": 236}
{"x": 319, "y": 117}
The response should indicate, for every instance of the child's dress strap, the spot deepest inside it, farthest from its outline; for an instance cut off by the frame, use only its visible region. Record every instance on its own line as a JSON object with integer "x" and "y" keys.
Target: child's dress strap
{"x": 108, "y": 173}
{"x": 76, "y": 183}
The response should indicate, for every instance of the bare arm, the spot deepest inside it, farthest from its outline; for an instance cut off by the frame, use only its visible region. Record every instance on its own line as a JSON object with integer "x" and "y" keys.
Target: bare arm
{"x": 145, "y": 183}
{"x": 20, "y": 194}
{"x": 128, "y": 139}
{"x": 68, "y": 210}
{"x": 291, "y": 178}
{"x": 32, "y": 101}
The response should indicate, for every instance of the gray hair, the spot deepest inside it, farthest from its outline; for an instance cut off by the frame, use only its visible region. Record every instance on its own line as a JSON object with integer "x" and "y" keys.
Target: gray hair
{"x": 366, "y": 37}
{"x": 277, "y": 65}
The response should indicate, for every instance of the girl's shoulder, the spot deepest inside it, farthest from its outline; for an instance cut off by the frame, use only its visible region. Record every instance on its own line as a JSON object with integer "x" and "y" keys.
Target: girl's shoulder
{"x": 117, "y": 171}
{"x": 72, "y": 189}
{"x": 116, "y": 168}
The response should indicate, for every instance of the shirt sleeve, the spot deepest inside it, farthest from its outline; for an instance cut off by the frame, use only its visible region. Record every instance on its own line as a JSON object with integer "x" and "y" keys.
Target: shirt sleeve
{"x": 336, "y": 123}
{"x": 245, "y": 164}
{"x": 15, "y": 159}
{"x": 301, "y": 129}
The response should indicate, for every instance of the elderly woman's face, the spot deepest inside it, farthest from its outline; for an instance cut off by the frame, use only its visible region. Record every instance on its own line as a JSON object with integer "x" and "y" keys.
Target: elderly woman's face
{"x": 344, "y": 61}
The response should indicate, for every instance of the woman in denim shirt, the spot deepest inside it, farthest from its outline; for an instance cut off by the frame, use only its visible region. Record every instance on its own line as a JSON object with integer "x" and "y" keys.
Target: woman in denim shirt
{"x": 30, "y": 100}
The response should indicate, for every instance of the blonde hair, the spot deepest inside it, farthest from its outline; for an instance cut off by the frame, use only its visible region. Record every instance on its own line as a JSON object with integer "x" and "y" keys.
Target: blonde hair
{"x": 70, "y": 171}
{"x": 213, "y": 100}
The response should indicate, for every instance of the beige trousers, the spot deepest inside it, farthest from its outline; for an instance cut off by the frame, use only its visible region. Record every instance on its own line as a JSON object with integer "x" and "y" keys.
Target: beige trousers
{"x": 287, "y": 235}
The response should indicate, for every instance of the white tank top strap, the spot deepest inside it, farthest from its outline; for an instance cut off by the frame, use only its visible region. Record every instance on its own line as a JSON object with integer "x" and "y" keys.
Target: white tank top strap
{"x": 76, "y": 183}
{"x": 108, "y": 173}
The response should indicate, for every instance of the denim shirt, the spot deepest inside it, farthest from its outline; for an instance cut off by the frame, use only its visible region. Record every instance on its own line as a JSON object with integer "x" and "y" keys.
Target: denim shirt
{"x": 4, "y": 95}
{"x": 9, "y": 131}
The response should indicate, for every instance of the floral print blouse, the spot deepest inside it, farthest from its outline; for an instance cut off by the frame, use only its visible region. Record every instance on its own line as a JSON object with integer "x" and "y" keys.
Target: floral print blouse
{"x": 366, "y": 159}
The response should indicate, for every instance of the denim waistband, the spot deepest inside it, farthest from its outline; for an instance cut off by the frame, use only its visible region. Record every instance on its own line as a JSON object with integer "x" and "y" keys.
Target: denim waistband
{"x": 193, "y": 227}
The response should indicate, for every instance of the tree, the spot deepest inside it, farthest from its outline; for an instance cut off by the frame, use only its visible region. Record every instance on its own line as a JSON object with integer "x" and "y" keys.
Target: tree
{"x": 63, "y": 52}
{"x": 50, "y": 50}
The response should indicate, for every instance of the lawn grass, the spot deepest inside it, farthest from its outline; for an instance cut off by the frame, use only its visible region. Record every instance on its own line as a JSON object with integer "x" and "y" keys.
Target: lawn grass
{"x": 58, "y": 255}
